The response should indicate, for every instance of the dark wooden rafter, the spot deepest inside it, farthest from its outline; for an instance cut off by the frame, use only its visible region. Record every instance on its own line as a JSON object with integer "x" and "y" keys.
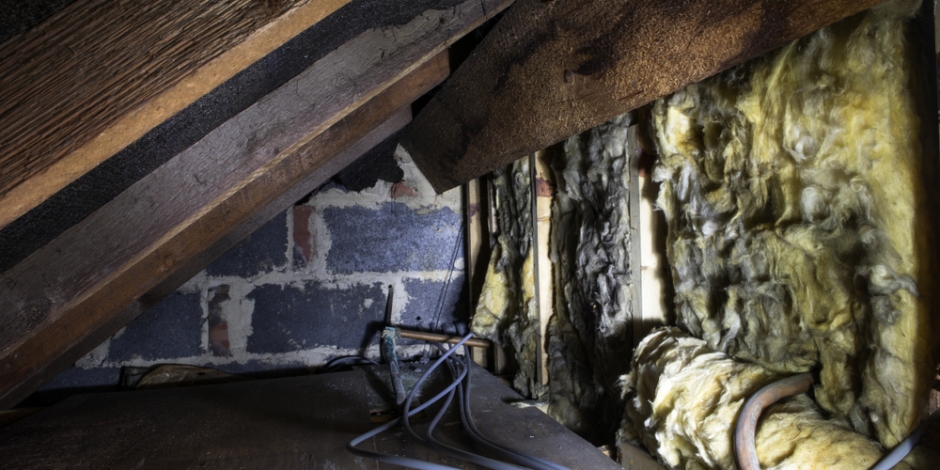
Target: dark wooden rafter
{"x": 551, "y": 69}
{"x": 58, "y": 303}
{"x": 99, "y": 74}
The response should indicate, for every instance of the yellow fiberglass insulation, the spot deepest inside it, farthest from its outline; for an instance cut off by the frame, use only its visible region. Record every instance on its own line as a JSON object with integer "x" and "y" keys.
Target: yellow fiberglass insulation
{"x": 506, "y": 310}
{"x": 684, "y": 398}
{"x": 791, "y": 188}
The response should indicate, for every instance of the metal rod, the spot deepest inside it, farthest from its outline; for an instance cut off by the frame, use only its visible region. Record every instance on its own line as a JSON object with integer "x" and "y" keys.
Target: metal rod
{"x": 476, "y": 343}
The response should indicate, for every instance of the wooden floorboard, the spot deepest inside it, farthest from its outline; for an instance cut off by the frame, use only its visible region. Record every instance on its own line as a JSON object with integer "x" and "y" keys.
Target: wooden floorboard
{"x": 82, "y": 281}
{"x": 549, "y": 70}
{"x": 293, "y": 423}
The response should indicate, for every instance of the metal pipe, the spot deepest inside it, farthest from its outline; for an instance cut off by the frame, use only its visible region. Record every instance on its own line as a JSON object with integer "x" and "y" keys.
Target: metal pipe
{"x": 745, "y": 449}
{"x": 476, "y": 343}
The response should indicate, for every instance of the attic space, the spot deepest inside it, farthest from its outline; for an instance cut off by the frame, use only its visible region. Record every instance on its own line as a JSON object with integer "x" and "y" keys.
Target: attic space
{"x": 455, "y": 234}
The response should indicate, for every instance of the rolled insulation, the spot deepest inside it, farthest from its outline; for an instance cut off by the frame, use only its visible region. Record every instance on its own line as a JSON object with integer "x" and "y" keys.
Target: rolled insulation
{"x": 683, "y": 400}
{"x": 791, "y": 186}
{"x": 506, "y": 312}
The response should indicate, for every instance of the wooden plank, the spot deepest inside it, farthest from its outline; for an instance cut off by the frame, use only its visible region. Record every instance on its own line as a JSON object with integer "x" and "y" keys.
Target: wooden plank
{"x": 84, "y": 278}
{"x": 653, "y": 280}
{"x": 543, "y": 191}
{"x": 549, "y": 70}
{"x": 635, "y": 458}
{"x": 291, "y": 423}
{"x": 101, "y": 73}
{"x": 474, "y": 229}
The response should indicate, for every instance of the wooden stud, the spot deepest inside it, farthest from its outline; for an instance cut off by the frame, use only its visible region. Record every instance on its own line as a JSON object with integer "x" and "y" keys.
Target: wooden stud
{"x": 543, "y": 191}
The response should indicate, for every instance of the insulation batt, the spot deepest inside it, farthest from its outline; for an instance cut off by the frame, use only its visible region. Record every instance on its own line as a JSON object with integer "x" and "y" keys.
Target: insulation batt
{"x": 684, "y": 398}
{"x": 590, "y": 246}
{"x": 791, "y": 188}
{"x": 506, "y": 311}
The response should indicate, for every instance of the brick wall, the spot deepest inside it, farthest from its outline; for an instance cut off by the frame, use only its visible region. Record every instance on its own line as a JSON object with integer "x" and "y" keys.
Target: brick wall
{"x": 309, "y": 286}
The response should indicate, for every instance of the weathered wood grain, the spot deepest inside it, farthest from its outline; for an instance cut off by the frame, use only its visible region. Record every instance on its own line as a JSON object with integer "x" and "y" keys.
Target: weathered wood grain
{"x": 86, "y": 277}
{"x": 100, "y": 73}
{"x": 549, "y": 70}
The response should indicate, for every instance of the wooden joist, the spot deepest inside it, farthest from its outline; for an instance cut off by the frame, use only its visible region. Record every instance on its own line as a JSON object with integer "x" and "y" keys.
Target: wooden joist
{"x": 549, "y": 70}
{"x": 56, "y": 303}
{"x": 99, "y": 74}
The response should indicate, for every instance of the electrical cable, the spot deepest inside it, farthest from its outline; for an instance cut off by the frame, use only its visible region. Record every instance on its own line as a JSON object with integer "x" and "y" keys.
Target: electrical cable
{"x": 405, "y": 461}
{"x": 347, "y": 361}
{"x": 445, "y": 449}
{"x": 453, "y": 451}
{"x": 461, "y": 387}
{"x": 504, "y": 452}
{"x": 901, "y": 450}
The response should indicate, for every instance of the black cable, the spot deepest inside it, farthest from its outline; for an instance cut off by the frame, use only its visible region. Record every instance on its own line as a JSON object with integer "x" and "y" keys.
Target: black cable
{"x": 347, "y": 361}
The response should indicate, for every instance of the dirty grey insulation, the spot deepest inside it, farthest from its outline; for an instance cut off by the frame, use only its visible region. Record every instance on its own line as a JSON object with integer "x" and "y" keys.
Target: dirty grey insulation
{"x": 792, "y": 191}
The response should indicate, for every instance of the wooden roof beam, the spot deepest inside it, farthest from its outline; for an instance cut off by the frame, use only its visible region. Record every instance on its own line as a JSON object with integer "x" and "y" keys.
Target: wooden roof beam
{"x": 552, "y": 69}
{"x": 60, "y": 301}
{"x": 98, "y": 75}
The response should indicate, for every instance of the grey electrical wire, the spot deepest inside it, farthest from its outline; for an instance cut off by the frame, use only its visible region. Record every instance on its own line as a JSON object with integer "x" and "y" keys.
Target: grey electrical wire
{"x": 518, "y": 457}
{"x": 901, "y": 450}
{"x": 449, "y": 450}
{"x": 404, "y": 461}
{"x": 445, "y": 449}
{"x": 504, "y": 452}
{"x": 461, "y": 386}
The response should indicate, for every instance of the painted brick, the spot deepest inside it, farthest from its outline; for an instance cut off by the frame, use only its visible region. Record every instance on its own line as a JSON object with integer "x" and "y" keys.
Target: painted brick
{"x": 303, "y": 239}
{"x": 392, "y": 239}
{"x": 289, "y": 319}
{"x": 218, "y": 327}
{"x": 78, "y": 378}
{"x": 263, "y": 251}
{"x": 172, "y": 328}
{"x": 435, "y": 305}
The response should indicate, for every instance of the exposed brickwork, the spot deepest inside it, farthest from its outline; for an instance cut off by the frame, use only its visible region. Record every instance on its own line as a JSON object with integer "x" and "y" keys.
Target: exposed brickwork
{"x": 172, "y": 325}
{"x": 303, "y": 239}
{"x": 262, "y": 251}
{"x": 218, "y": 326}
{"x": 292, "y": 318}
{"x": 309, "y": 286}
{"x": 392, "y": 238}
{"x": 435, "y": 305}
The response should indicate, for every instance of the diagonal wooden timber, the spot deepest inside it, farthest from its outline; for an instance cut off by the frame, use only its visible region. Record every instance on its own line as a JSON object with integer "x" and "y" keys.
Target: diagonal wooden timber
{"x": 99, "y": 74}
{"x": 551, "y": 69}
{"x": 82, "y": 286}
